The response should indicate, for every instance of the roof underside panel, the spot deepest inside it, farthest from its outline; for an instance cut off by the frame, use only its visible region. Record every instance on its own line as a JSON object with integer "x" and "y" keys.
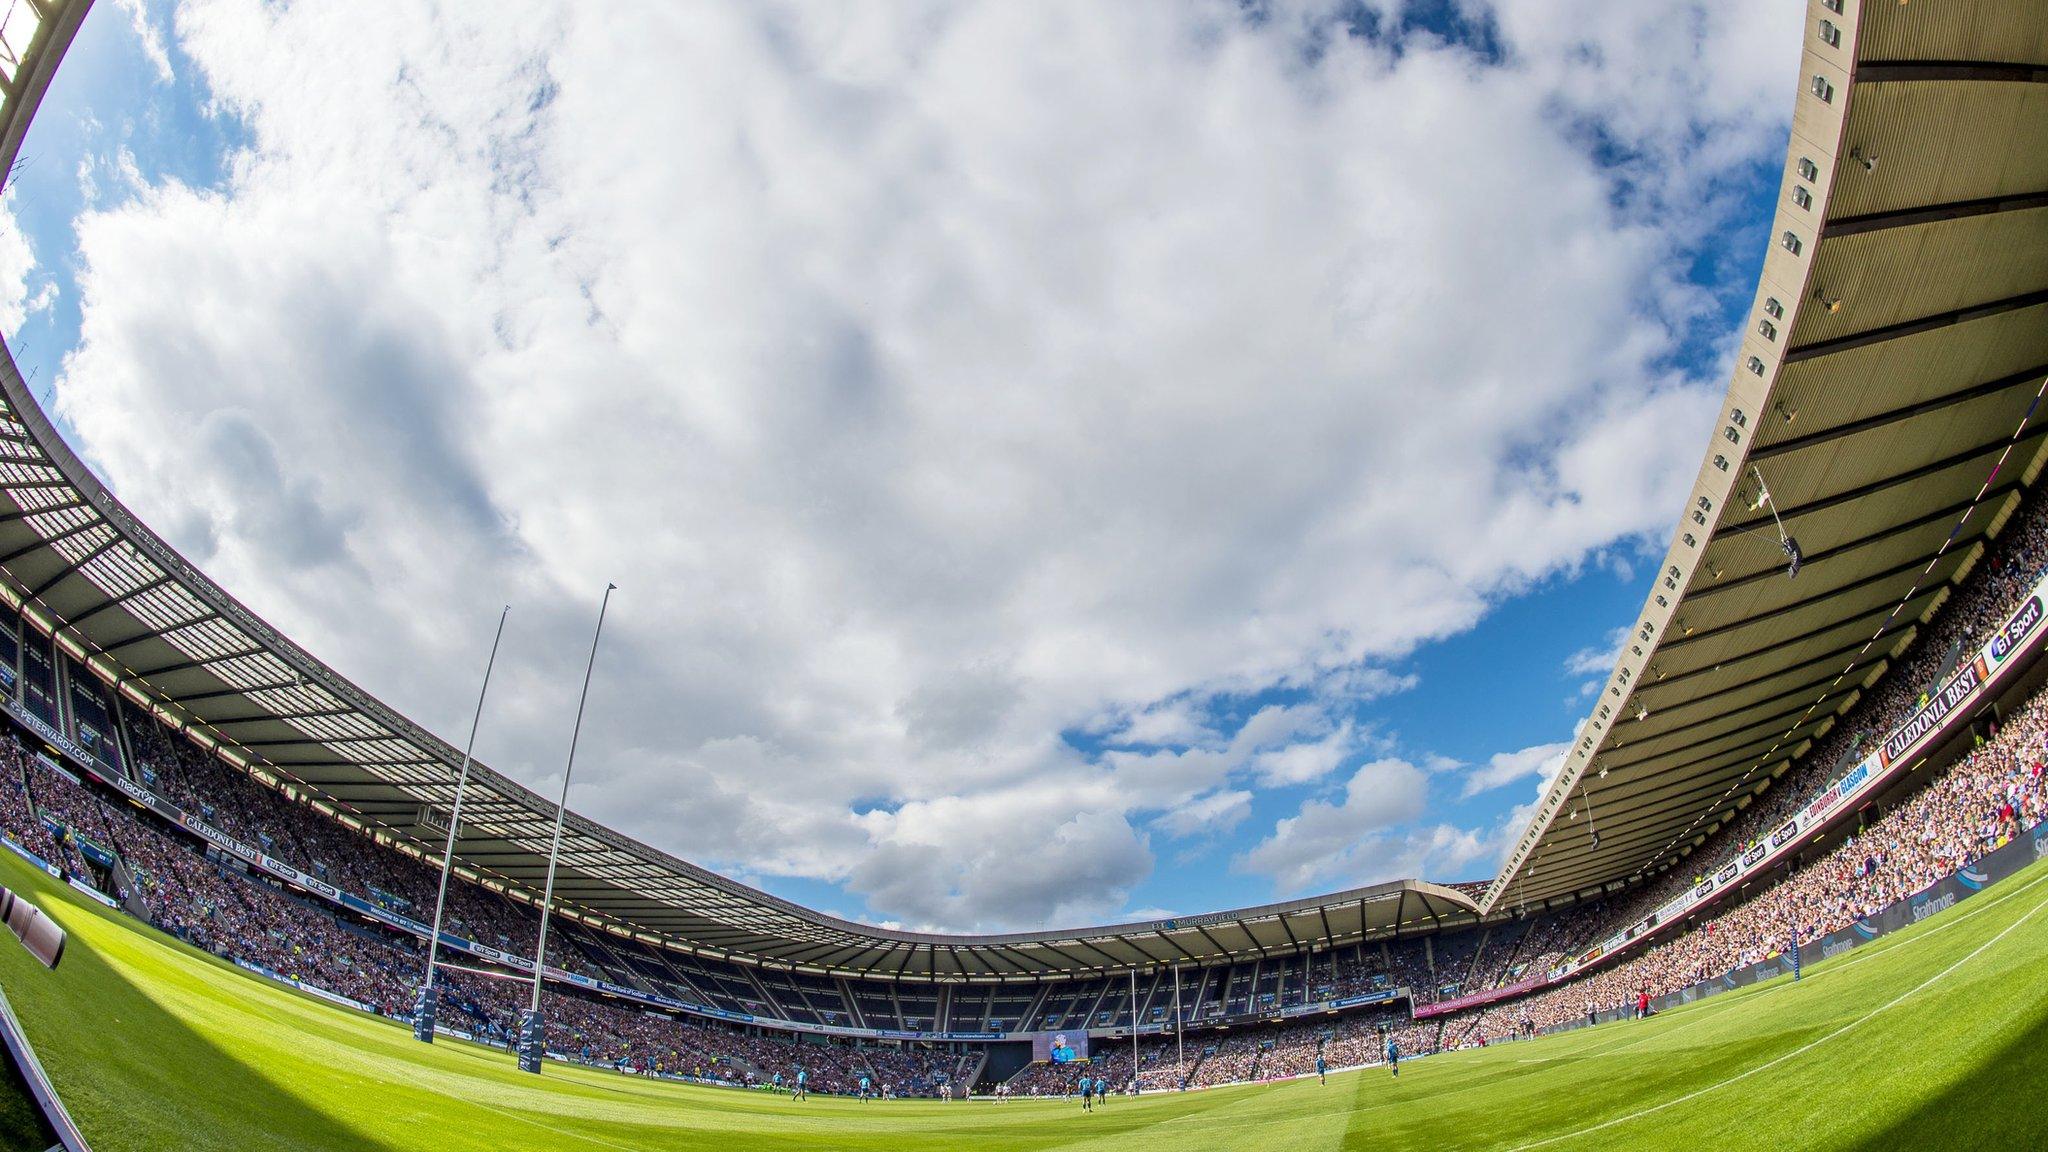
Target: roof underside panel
{"x": 1883, "y": 414}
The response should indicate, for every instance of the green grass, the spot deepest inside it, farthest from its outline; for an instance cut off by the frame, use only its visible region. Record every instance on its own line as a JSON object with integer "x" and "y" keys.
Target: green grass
{"x": 1930, "y": 1038}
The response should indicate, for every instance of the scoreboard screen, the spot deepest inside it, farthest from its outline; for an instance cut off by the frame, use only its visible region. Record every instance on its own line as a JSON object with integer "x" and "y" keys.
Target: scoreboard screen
{"x": 1060, "y": 1047}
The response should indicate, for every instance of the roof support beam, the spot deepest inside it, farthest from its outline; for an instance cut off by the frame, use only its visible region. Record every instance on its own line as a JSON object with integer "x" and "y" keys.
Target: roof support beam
{"x": 47, "y": 509}
{"x": 215, "y": 694}
{"x": 1896, "y": 415}
{"x": 42, "y": 542}
{"x": 1831, "y": 671}
{"x": 1985, "y": 448}
{"x": 1932, "y": 214}
{"x": 1915, "y": 327}
{"x": 197, "y": 662}
{"x": 1113, "y": 961}
{"x": 65, "y": 572}
{"x": 76, "y": 623}
{"x": 1935, "y": 71}
{"x": 414, "y": 763}
{"x": 327, "y": 740}
{"x": 1652, "y": 800}
{"x": 1916, "y": 564}
{"x": 1848, "y": 650}
{"x": 322, "y": 714}
{"x": 1768, "y": 726}
{"x": 1801, "y": 692}
{"x": 1173, "y": 944}
{"x": 160, "y": 633}
{"x": 1813, "y": 559}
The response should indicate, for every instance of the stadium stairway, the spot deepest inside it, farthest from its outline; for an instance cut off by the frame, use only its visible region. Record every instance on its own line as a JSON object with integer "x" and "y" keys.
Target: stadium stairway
{"x": 1031, "y": 1015}
{"x": 130, "y": 889}
{"x": 1478, "y": 956}
{"x": 852, "y": 1005}
{"x": 761, "y": 990}
{"x": 861, "y": 1051}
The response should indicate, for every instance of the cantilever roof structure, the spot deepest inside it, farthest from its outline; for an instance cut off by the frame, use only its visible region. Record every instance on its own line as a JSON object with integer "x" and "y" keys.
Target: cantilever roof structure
{"x": 1885, "y": 394}
{"x": 1894, "y": 352}
{"x": 121, "y": 601}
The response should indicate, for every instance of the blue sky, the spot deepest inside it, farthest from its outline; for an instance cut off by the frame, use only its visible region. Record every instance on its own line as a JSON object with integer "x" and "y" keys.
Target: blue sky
{"x": 1058, "y": 465}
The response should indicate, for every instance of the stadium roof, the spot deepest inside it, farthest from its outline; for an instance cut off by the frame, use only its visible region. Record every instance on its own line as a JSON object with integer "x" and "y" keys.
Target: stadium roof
{"x": 121, "y": 600}
{"x": 1885, "y": 394}
{"x": 1898, "y": 344}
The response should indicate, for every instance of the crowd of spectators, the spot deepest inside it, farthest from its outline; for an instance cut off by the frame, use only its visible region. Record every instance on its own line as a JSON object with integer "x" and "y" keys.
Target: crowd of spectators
{"x": 1975, "y": 610}
{"x": 1974, "y": 807}
{"x": 216, "y": 903}
{"x": 1240, "y": 1055}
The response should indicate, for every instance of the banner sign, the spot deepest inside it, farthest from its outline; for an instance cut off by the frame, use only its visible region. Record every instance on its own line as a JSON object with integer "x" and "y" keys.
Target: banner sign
{"x": 93, "y": 892}
{"x": 1380, "y": 997}
{"x": 1928, "y": 719}
{"x": 31, "y": 857}
{"x": 92, "y": 851}
{"x": 1943, "y": 894}
{"x": 1475, "y": 999}
{"x": 1957, "y": 696}
{"x": 309, "y": 989}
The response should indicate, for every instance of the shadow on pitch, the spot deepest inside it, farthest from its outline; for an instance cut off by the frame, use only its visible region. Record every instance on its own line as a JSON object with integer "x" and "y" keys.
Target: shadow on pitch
{"x": 1996, "y": 1104}
{"x": 133, "y": 1075}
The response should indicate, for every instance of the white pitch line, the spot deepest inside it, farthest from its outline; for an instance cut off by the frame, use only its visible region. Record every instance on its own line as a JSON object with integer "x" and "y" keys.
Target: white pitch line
{"x": 1962, "y": 916}
{"x": 1804, "y": 1048}
{"x": 525, "y": 1119}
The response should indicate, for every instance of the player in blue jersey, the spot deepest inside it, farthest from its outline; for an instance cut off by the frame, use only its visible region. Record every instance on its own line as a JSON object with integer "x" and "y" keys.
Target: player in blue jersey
{"x": 775, "y": 1084}
{"x": 1087, "y": 1094}
{"x": 863, "y": 1089}
{"x": 803, "y": 1079}
{"x": 1102, "y": 1089}
{"x": 1394, "y": 1057}
{"x": 1322, "y": 1069}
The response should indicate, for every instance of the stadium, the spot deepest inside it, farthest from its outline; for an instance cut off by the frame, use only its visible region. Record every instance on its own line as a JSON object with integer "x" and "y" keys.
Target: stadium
{"x": 1785, "y": 888}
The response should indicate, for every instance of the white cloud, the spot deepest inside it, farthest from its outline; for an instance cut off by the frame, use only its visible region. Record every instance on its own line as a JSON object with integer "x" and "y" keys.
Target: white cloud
{"x": 17, "y": 261}
{"x": 148, "y": 36}
{"x": 1374, "y": 831}
{"x": 933, "y": 380}
{"x": 1332, "y": 842}
{"x": 1598, "y": 659}
{"x": 1279, "y": 744}
{"x": 1173, "y": 722}
{"x": 1216, "y": 812}
{"x": 1540, "y": 760}
{"x": 1036, "y": 855}
{"x": 1307, "y": 761}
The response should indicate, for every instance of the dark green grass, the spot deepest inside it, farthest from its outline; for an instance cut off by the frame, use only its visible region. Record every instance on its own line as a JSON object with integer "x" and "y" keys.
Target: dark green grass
{"x": 1931, "y": 1038}
{"x": 21, "y": 1124}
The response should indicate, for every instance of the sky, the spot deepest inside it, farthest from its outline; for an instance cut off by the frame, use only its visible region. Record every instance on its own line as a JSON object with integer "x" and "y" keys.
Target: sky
{"x": 1061, "y": 462}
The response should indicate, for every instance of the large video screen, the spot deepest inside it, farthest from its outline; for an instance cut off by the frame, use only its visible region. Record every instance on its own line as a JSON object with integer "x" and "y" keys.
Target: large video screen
{"x": 1060, "y": 1047}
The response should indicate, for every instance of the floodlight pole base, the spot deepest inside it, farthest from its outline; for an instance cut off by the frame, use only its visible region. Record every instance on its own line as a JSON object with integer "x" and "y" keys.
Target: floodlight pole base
{"x": 532, "y": 1040}
{"x": 423, "y": 1011}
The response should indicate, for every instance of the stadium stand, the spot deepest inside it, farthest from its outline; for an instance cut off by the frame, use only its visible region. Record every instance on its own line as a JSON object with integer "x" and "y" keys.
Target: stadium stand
{"x": 73, "y": 719}
{"x": 192, "y": 889}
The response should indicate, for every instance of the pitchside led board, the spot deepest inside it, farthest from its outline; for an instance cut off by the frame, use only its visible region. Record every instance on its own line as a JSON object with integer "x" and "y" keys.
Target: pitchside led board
{"x": 1060, "y": 1047}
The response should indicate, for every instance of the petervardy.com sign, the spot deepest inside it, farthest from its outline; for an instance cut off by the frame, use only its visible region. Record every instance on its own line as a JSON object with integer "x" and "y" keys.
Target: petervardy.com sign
{"x": 2021, "y": 631}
